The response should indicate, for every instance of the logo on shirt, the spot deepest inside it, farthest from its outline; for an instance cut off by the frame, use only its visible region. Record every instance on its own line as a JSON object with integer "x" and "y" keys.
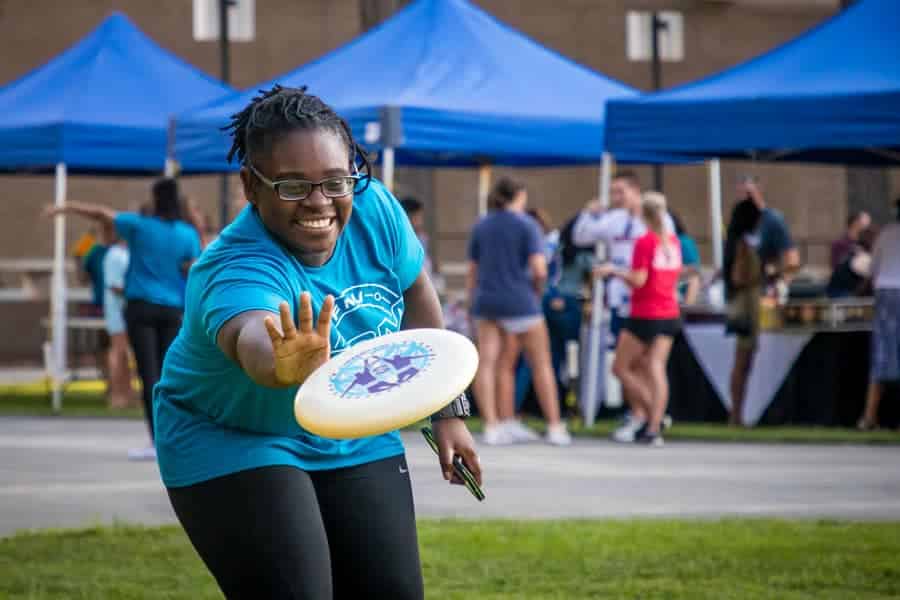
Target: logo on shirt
{"x": 364, "y": 312}
{"x": 380, "y": 369}
{"x": 666, "y": 259}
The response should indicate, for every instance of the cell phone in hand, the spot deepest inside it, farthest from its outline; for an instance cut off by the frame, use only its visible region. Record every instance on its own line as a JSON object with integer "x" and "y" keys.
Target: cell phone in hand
{"x": 459, "y": 466}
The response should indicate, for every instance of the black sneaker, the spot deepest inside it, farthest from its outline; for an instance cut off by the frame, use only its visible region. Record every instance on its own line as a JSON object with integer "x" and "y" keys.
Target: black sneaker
{"x": 650, "y": 439}
{"x": 640, "y": 432}
{"x": 666, "y": 423}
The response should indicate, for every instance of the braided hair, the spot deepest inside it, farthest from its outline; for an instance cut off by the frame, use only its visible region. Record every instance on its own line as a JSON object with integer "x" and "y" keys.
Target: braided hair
{"x": 278, "y": 111}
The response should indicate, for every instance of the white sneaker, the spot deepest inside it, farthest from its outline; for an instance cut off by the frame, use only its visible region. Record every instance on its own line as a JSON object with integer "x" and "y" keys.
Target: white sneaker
{"x": 148, "y": 453}
{"x": 558, "y": 435}
{"x": 628, "y": 430}
{"x": 518, "y": 431}
{"x": 496, "y": 435}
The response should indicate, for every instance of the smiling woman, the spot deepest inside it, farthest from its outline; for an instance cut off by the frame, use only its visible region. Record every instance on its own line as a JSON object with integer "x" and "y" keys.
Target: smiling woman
{"x": 273, "y": 510}
{"x": 292, "y": 167}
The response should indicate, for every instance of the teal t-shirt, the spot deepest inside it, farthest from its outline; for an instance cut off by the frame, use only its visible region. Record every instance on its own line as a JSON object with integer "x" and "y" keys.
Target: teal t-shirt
{"x": 93, "y": 266}
{"x": 159, "y": 249}
{"x": 211, "y": 418}
{"x": 690, "y": 255}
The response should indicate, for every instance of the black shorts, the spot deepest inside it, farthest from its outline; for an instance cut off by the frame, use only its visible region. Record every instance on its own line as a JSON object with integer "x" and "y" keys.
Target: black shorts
{"x": 648, "y": 330}
{"x": 279, "y": 532}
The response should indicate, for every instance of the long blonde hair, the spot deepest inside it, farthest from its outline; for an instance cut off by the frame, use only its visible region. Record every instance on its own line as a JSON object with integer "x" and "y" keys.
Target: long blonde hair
{"x": 653, "y": 211}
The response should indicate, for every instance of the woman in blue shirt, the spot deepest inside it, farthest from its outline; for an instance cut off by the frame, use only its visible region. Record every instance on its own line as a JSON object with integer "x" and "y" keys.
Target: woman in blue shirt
{"x": 162, "y": 248}
{"x": 319, "y": 260}
{"x": 506, "y": 277}
{"x": 689, "y": 286}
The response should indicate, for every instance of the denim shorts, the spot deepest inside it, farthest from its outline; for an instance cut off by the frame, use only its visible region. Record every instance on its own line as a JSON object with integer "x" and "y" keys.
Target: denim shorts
{"x": 515, "y": 325}
{"x": 114, "y": 315}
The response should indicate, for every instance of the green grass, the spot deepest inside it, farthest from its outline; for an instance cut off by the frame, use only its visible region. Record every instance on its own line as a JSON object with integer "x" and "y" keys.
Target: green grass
{"x": 715, "y": 432}
{"x": 635, "y": 560}
{"x": 85, "y": 399}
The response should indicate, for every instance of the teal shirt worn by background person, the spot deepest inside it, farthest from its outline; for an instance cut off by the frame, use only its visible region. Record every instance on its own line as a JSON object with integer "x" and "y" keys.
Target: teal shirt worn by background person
{"x": 159, "y": 250}
{"x": 93, "y": 266}
{"x": 690, "y": 255}
{"x": 211, "y": 418}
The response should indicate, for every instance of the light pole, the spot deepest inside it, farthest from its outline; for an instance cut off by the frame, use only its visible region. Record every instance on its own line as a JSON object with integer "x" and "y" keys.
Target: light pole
{"x": 225, "y": 64}
{"x": 656, "y": 25}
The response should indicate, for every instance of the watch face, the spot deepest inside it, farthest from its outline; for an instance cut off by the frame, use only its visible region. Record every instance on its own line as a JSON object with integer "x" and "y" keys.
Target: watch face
{"x": 461, "y": 406}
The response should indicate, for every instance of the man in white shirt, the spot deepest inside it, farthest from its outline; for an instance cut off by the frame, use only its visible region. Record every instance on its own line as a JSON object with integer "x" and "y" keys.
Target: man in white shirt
{"x": 618, "y": 229}
{"x": 885, "y": 357}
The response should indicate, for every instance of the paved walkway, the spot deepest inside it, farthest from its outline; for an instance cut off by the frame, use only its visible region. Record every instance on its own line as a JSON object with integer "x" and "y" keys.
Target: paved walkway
{"x": 59, "y": 472}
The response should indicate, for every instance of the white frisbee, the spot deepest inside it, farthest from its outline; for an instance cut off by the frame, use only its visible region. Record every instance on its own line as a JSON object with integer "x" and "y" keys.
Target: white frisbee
{"x": 386, "y": 383}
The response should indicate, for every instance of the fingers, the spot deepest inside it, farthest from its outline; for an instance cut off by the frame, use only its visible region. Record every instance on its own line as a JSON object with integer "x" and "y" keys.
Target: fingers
{"x": 305, "y": 318}
{"x": 274, "y": 334}
{"x": 446, "y": 459}
{"x": 324, "y": 325}
{"x": 287, "y": 321}
{"x": 470, "y": 457}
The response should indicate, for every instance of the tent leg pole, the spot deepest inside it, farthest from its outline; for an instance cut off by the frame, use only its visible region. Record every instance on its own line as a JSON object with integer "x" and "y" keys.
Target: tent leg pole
{"x": 605, "y": 175}
{"x": 592, "y": 368}
{"x": 58, "y": 297}
{"x": 484, "y": 187}
{"x": 387, "y": 168}
{"x": 715, "y": 210}
{"x": 595, "y": 367}
{"x": 170, "y": 168}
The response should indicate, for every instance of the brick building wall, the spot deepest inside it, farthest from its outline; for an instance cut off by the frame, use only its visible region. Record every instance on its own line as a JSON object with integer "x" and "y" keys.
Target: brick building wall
{"x": 718, "y": 35}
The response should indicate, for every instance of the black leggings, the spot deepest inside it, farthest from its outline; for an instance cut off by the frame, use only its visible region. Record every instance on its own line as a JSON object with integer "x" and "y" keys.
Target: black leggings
{"x": 282, "y": 533}
{"x": 151, "y": 330}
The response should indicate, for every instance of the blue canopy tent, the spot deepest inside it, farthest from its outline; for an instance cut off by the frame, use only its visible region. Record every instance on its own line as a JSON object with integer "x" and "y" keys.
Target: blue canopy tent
{"x": 831, "y": 95}
{"x": 468, "y": 90}
{"x": 100, "y": 107}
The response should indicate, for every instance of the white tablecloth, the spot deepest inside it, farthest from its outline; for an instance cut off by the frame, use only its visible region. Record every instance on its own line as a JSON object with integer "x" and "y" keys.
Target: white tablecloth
{"x": 774, "y": 359}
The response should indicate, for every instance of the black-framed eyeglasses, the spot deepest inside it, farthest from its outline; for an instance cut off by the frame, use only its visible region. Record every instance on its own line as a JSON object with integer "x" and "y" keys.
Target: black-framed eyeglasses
{"x": 295, "y": 190}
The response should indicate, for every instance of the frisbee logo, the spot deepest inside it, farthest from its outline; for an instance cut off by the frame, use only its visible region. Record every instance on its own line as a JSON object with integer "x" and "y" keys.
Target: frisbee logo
{"x": 382, "y": 368}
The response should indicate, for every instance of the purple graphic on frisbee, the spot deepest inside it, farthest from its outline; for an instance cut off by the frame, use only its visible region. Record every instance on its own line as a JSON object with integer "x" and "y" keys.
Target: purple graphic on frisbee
{"x": 381, "y": 368}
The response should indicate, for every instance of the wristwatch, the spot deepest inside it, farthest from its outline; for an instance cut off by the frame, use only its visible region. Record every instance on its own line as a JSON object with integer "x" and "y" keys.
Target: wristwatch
{"x": 458, "y": 409}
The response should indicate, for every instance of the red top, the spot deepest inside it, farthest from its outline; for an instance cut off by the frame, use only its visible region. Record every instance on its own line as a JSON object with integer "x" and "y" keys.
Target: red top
{"x": 657, "y": 298}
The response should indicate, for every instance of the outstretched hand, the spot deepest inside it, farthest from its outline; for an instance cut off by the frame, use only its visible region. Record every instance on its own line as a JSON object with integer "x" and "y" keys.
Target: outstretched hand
{"x": 51, "y": 211}
{"x": 299, "y": 352}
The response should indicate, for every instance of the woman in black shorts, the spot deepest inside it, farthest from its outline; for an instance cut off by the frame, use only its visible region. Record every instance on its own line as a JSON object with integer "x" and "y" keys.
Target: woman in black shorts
{"x": 646, "y": 339}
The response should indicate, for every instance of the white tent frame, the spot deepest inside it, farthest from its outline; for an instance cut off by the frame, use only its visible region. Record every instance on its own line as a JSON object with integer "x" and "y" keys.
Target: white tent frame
{"x": 58, "y": 296}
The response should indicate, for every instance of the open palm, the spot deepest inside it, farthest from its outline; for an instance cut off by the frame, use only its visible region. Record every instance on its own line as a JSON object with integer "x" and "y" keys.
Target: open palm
{"x": 300, "y": 351}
